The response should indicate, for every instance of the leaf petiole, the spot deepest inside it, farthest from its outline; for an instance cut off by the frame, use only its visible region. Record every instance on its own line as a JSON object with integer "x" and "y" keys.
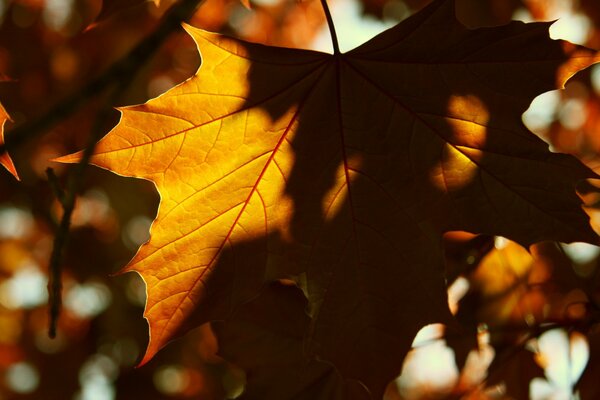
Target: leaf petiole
{"x": 334, "y": 39}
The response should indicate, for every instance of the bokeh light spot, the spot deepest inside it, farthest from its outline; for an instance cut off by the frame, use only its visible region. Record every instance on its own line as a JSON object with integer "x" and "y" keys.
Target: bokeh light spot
{"x": 580, "y": 252}
{"x": 573, "y": 114}
{"x": 22, "y": 378}
{"x": 15, "y": 223}
{"x": 137, "y": 231}
{"x": 171, "y": 379}
{"x": 541, "y": 113}
{"x": 87, "y": 300}
{"x": 428, "y": 369}
{"x": 352, "y": 27}
{"x": 456, "y": 292}
{"x": 56, "y": 13}
{"x": 500, "y": 242}
{"x": 136, "y": 290}
{"x": 96, "y": 377}
{"x": 563, "y": 358}
{"x": 523, "y": 15}
{"x": 25, "y": 289}
{"x": 574, "y": 27}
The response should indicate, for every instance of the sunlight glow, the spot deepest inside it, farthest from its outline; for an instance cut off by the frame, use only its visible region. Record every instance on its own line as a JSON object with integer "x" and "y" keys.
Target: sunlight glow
{"x": 56, "y": 13}
{"x": 428, "y": 369}
{"x": 96, "y": 377}
{"x": 471, "y": 108}
{"x": 476, "y": 365}
{"x": 15, "y": 223}
{"x": 541, "y": 113}
{"x": 574, "y": 27}
{"x": 580, "y": 252}
{"x": 427, "y": 334}
{"x": 456, "y": 292}
{"x": 523, "y": 15}
{"x": 25, "y": 289}
{"x": 171, "y": 379}
{"x": 563, "y": 358}
{"x": 467, "y": 116}
{"x": 352, "y": 27}
{"x": 137, "y": 231}
{"x": 573, "y": 114}
{"x": 500, "y": 242}
{"x": 87, "y": 300}
{"x": 22, "y": 378}
{"x": 93, "y": 206}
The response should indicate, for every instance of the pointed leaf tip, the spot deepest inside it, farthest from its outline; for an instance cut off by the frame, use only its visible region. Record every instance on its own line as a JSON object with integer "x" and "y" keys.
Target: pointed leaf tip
{"x": 5, "y": 159}
{"x": 72, "y": 158}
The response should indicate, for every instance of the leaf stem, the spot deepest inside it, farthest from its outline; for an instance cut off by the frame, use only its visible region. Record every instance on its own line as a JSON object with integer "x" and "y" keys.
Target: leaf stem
{"x": 334, "y": 39}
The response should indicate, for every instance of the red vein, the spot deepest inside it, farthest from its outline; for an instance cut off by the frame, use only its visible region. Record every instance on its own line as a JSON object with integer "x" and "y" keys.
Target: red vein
{"x": 247, "y": 201}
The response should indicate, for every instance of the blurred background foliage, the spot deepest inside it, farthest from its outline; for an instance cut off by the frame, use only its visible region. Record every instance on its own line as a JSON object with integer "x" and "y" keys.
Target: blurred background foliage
{"x": 528, "y": 318}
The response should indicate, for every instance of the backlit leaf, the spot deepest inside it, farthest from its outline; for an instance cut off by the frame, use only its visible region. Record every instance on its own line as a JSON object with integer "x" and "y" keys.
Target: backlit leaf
{"x": 342, "y": 172}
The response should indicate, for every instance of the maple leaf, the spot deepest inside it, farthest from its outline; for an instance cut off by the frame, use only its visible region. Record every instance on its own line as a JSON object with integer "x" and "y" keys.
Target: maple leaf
{"x": 5, "y": 159}
{"x": 342, "y": 172}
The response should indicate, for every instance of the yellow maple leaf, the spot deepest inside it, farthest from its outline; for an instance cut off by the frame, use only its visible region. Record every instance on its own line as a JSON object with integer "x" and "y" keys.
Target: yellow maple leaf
{"x": 342, "y": 172}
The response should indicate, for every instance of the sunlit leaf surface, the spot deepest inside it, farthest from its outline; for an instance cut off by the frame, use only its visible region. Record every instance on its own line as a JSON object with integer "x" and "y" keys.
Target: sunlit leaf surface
{"x": 342, "y": 172}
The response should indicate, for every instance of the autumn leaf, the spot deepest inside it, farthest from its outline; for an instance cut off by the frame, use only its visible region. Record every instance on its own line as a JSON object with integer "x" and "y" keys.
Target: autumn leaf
{"x": 342, "y": 172}
{"x": 5, "y": 159}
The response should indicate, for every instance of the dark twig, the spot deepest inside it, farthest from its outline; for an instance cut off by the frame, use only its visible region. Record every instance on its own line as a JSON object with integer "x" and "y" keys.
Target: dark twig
{"x": 68, "y": 203}
{"x": 126, "y": 66}
{"x": 58, "y": 191}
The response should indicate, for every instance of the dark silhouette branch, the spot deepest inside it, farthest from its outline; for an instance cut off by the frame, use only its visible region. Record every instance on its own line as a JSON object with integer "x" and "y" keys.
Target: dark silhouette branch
{"x": 54, "y": 183}
{"x": 67, "y": 199}
{"x": 117, "y": 76}
{"x": 123, "y": 68}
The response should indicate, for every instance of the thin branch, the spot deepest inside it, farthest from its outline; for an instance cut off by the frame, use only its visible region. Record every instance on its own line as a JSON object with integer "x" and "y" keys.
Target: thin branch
{"x": 68, "y": 202}
{"x": 334, "y": 39}
{"x": 125, "y": 66}
{"x": 118, "y": 75}
{"x": 58, "y": 191}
